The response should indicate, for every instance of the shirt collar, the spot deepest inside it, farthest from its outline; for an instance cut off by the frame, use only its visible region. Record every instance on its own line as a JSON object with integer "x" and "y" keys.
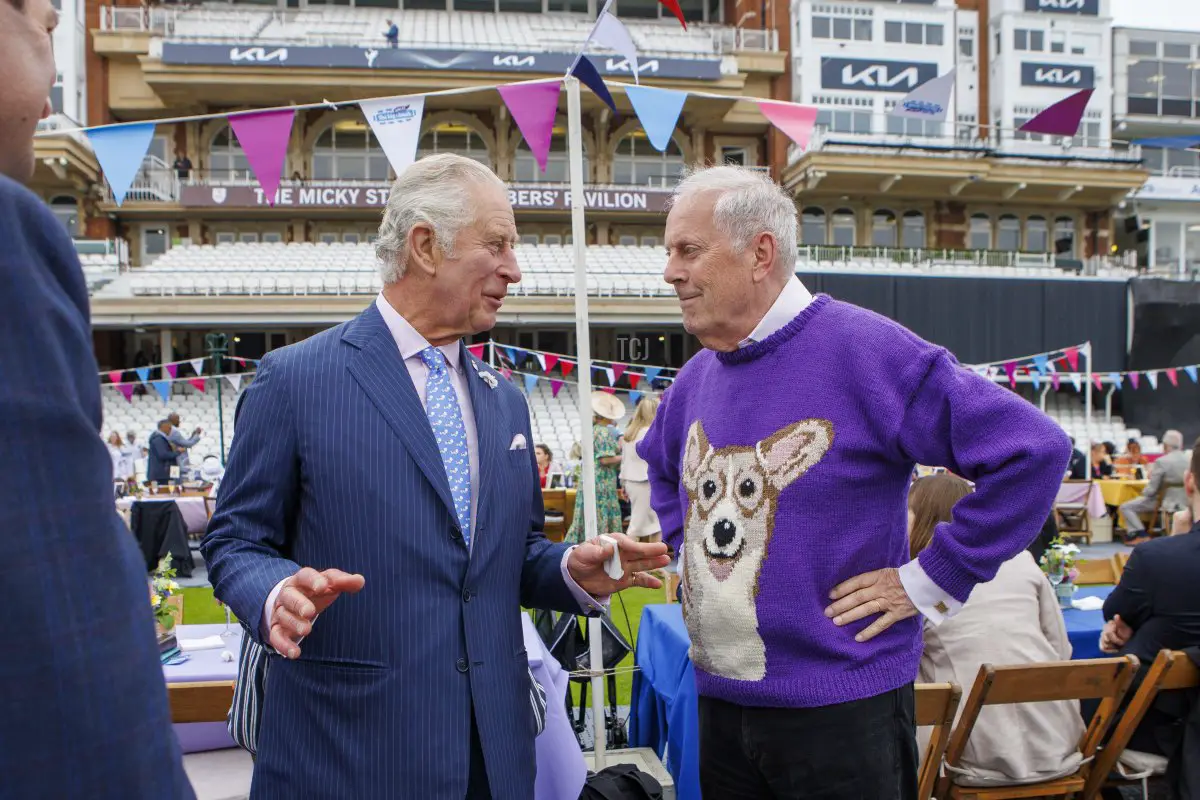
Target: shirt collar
{"x": 410, "y": 342}
{"x": 791, "y": 301}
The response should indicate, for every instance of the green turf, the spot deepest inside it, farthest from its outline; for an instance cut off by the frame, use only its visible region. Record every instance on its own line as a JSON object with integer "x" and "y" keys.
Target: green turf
{"x": 200, "y": 608}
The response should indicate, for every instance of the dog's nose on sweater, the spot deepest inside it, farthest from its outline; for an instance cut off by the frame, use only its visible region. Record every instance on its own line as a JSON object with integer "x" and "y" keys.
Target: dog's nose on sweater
{"x": 723, "y": 533}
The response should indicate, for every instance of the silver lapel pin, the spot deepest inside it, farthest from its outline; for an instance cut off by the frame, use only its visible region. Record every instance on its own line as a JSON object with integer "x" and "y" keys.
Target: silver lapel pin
{"x": 489, "y": 379}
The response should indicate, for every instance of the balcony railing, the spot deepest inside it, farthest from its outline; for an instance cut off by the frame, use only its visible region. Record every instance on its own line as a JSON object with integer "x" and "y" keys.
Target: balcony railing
{"x": 933, "y": 259}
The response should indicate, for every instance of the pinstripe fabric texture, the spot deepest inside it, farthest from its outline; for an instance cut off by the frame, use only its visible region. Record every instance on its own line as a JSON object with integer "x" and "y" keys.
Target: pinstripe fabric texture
{"x": 335, "y": 465}
{"x": 81, "y": 687}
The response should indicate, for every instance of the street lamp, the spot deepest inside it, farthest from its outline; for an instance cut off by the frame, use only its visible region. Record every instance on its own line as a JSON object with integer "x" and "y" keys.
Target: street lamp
{"x": 218, "y": 345}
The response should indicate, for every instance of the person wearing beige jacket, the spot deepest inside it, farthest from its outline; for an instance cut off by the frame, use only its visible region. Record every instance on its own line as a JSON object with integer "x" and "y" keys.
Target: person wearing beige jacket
{"x": 1012, "y": 619}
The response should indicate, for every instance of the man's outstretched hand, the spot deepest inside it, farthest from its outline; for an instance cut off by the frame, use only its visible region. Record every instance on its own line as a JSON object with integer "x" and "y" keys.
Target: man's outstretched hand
{"x": 303, "y": 596}
{"x": 586, "y": 565}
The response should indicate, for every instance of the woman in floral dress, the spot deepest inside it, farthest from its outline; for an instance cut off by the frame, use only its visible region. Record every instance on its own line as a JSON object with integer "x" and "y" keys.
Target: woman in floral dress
{"x": 607, "y": 452}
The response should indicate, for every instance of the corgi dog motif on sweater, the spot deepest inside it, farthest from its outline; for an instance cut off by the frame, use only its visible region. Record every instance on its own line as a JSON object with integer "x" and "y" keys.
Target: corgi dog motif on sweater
{"x": 732, "y": 496}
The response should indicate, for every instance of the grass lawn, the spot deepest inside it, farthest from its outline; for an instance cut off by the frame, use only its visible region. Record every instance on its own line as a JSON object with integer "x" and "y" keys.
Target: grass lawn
{"x": 199, "y": 608}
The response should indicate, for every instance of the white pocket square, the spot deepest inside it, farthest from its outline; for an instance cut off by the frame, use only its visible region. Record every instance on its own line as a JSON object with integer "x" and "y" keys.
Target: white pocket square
{"x": 518, "y": 442}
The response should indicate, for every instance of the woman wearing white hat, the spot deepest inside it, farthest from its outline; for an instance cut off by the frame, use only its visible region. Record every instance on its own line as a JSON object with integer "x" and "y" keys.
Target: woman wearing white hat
{"x": 606, "y": 409}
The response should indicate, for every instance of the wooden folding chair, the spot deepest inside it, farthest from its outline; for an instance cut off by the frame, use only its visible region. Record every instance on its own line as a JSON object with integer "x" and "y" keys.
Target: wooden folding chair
{"x": 1119, "y": 560}
{"x": 1072, "y": 515}
{"x": 555, "y": 501}
{"x": 937, "y": 703}
{"x": 1096, "y": 572}
{"x": 1171, "y": 670}
{"x": 208, "y": 701}
{"x": 1106, "y": 679}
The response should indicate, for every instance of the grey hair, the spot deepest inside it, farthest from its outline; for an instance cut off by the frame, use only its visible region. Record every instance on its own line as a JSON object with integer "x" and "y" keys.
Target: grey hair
{"x": 1172, "y": 440}
{"x": 434, "y": 191}
{"x": 749, "y": 203}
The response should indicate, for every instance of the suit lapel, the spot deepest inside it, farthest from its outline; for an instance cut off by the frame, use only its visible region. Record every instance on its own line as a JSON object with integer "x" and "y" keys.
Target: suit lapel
{"x": 381, "y": 373}
{"x": 485, "y": 401}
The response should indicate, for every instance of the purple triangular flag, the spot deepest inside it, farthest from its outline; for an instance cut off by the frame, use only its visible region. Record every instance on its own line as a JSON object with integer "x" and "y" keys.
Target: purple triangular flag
{"x": 173, "y": 370}
{"x": 126, "y": 389}
{"x": 1062, "y": 118}
{"x": 585, "y": 70}
{"x": 533, "y": 106}
{"x": 1135, "y": 379}
{"x": 264, "y": 136}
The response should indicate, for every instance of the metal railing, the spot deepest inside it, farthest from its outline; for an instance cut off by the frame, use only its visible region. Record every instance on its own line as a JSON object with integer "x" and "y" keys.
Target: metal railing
{"x": 933, "y": 258}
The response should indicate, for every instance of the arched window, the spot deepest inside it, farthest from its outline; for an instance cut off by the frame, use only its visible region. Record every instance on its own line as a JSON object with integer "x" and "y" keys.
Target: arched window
{"x": 844, "y": 228}
{"x": 347, "y": 150}
{"x": 912, "y": 230}
{"x": 454, "y": 137}
{"x": 66, "y": 211}
{"x": 1064, "y": 237}
{"x": 1037, "y": 235}
{"x": 1008, "y": 233}
{"x": 980, "y": 236}
{"x": 812, "y": 226}
{"x": 637, "y": 163}
{"x": 525, "y": 168}
{"x": 226, "y": 161}
{"x": 883, "y": 229}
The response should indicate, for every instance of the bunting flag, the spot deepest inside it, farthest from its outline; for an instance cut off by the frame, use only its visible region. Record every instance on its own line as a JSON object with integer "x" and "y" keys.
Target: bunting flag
{"x": 618, "y": 370}
{"x": 143, "y": 373}
{"x": 634, "y": 379}
{"x": 533, "y": 106}
{"x": 673, "y": 5}
{"x": 1173, "y": 376}
{"x": 541, "y": 359}
{"x": 127, "y": 390}
{"x": 651, "y": 374}
{"x": 477, "y": 349}
{"x": 1170, "y": 142}
{"x": 396, "y": 123}
{"x": 567, "y": 366}
{"x": 610, "y": 32}
{"x": 197, "y": 365}
{"x": 1011, "y": 370}
{"x": 507, "y": 373}
{"x": 511, "y": 352}
{"x": 235, "y": 380}
{"x": 551, "y": 361}
{"x": 930, "y": 100}
{"x": 658, "y": 110}
{"x": 1097, "y": 382}
{"x": 608, "y": 389}
{"x": 1115, "y": 379}
{"x": 1191, "y": 373}
{"x": 197, "y": 383}
{"x": 1152, "y": 376}
{"x": 163, "y": 388}
{"x": 1042, "y": 363}
{"x": 1062, "y": 118}
{"x": 1075, "y": 380}
{"x": 585, "y": 70}
{"x": 264, "y": 136}
{"x": 1134, "y": 379}
{"x": 530, "y": 382}
{"x": 635, "y": 397}
{"x": 608, "y": 373}
{"x": 796, "y": 121}
{"x": 241, "y": 361}
{"x": 115, "y": 376}
{"x": 554, "y": 387}
{"x": 173, "y": 370}
{"x": 1037, "y": 380}
{"x": 120, "y": 151}
{"x": 1072, "y": 355}
{"x": 1055, "y": 380}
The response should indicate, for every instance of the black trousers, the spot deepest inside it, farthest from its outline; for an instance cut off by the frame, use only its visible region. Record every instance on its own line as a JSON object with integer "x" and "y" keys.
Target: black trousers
{"x": 862, "y": 750}
{"x": 477, "y": 783}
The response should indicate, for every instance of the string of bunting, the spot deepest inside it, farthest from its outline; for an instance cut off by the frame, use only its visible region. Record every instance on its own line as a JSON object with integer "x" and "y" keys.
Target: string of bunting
{"x": 163, "y": 386}
{"x": 171, "y": 368}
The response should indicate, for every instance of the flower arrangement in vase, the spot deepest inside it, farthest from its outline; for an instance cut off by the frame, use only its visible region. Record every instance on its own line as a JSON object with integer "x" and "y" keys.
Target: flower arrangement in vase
{"x": 162, "y": 589}
{"x": 1061, "y": 566}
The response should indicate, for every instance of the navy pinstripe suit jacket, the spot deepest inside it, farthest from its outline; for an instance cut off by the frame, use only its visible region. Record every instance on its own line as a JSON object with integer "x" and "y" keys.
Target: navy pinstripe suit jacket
{"x": 81, "y": 687}
{"x": 335, "y": 465}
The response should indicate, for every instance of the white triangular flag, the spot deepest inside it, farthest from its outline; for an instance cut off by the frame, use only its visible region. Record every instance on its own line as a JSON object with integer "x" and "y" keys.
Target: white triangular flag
{"x": 612, "y": 33}
{"x": 1152, "y": 376}
{"x": 930, "y": 100}
{"x": 197, "y": 364}
{"x": 541, "y": 359}
{"x": 396, "y": 122}
{"x": 235, "y": 379}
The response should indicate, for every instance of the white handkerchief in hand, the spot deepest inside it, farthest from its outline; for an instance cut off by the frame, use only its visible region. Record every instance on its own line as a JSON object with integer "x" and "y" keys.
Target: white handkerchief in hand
{"x": 518, "y": 442}
{"x": 207, "y": 643}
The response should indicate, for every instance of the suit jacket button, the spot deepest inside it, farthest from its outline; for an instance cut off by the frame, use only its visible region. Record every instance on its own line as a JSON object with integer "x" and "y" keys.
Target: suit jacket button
{"x": 467, "y": 595}
{"x": 455, "y": 535}
{"x": 461, "y": 665}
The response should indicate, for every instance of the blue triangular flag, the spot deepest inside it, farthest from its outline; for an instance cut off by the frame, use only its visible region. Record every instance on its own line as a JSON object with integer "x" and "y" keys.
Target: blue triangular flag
{"x": 511, "y": 352}
{"x": 1041, "y": 362}
{"x": 120, "y": 150}
{"x": 651, "y": 374}
{"x": 1191, "y": 373}
{"x": 658, "y": 110}
{"x": 634, "y": 397}
{"x": 530, "y": 382}
{"x": 1115, "y": 377}
{"x": 1037, "y": 381}
{"x": 1076, "y": 382}
{"x": 585, "y": 70}
{"x": 163, "y": 388}
{"x": 143, "y": 374}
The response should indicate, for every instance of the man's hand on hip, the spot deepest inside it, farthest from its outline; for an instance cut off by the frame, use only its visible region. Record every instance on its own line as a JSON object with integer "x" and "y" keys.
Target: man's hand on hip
{"x": 586, "y": 564}
{"x": 872, "y": 593}
{"x": 303, "y": 596}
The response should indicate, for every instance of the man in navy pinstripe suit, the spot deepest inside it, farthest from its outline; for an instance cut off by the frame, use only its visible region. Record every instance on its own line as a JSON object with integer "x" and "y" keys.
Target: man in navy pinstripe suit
{"x": 380, "y": 525}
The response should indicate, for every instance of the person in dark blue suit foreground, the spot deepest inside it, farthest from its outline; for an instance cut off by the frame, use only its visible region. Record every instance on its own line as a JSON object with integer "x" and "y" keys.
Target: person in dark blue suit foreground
{"x": 379, "y": 525}
{"x": 81, "y": 687}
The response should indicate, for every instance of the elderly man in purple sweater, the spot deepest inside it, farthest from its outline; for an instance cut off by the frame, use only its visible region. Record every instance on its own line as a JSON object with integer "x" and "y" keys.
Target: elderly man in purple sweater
{"x": 779, "y": 465}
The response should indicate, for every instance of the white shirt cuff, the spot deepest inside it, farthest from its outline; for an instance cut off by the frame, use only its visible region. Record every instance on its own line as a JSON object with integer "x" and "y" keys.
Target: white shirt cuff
{"x": 586, "y": 601}
{"x": 927, "y": 596}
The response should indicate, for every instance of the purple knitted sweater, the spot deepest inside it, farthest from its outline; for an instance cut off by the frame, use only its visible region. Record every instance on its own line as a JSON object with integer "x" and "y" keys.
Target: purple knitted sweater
{"x": 782, "y": 469}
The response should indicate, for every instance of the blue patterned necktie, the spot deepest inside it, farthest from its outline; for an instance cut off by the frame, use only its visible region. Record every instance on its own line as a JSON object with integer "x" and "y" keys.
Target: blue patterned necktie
{"x": 445, "y": 417}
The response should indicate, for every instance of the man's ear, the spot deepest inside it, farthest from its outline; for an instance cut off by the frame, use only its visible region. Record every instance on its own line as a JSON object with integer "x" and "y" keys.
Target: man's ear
{"x": 764, "y": 248}
{"x": 424, "y": 254}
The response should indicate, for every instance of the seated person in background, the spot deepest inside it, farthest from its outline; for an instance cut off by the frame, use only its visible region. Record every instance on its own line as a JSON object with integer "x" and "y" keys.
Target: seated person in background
{"x": 1077, "y": 468}
{"x": 545, "y": 462}
{"x": 1012, "y": 619}
{"x": 1102, "y": 466}
{"x": 1133, "y": 464}
{"x": 1166, "y": 476}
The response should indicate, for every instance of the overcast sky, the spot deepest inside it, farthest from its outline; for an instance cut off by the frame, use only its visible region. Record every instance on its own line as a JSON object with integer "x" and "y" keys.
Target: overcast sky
{"x": 1168, "y": 15}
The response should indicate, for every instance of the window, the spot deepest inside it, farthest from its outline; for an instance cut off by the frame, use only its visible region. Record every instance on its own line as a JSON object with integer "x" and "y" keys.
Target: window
{"x": 650, "y": 241}
{"x": 844, "y": 228}
{"x": 845, "y": 120}
{"x": 1064, "y": 237}
{"x": 353, "y": 238}
{"x": 1020, "y": 39}
{"x": 452, "y": 137}
{"x": 529, "y": 238}
{"x": 1029, "y": 40}
{"x": 822, "y": 28}
{"x": 66, "y": 211}
{"x": 966, "y": 47}
{"x": 627, "y": 241}
{"x": 348, "y": 151}
{"x": 912, "y": 230}
{"x": 226, "y": 161}
{"x": 552, "y": 238}
{"x": 883, "y": 229}
{"x": 1008, "y": 233}
{"x": 998, "y": 40}
{"x": 1058, "y": 42}
{"x": 893, "y": 31}
{"x": 1183, "y": 51}
{"x": 980, "y": 235}
{"x": 934, "y": 35}
{"x": 1166, "y": 239}
{"x": 272, "y": 237}
{"x": 812, "y": 226}
{"x": 735, "y": 155}
{"x": 913, "y": 33}
{"x": 226, "y": 238}
{"x": 1037, "y": 237}
{"x": 154, "y": 243}
{"x": 843, "y": 28}
{"x": 908, "y": 127}
{"x": 525, "y": 168}
{"x": 520, "y": 6}
{"x": 248, "y": 238}
{"x": 862, "y": 30}
{"x": 328, "y": 238}
{"x": 1142, "y": 48}
{"x": 637, "y": 163}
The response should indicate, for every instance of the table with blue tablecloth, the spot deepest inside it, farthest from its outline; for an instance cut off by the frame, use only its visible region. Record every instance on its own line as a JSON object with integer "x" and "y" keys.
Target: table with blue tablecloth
{"x": 663, "y": 713}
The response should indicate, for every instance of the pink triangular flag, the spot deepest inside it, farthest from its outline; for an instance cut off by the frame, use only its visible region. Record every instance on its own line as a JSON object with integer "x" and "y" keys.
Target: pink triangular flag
{"x": 507, "y": 373}
{"x": 115, "y": 376}
{"x": 608, "y": 389}
{"x": 1062, "y": 118}
{"x": 1011, "y": 369}
{"x": 1134, "y": 379}
{"x": 1054, "y": 379}
{"x": 618, "y": 371}
{"x": 554, "y": 387}
{"x": 567, "y": 366}
{"x": 1173, "y": 376}
{"x": 1096, "y": 380}
{"x": 634, "y": 379}
{"x": 476, "y": 349}
{"x": 127, "y": 390}
{"x": 796, "y": 121}
{"x": 197, "y": 383}
{"x": 173, "y": 370}
{"x": 551, "y": 361}
{"x": 1072, "y": 354}
{"x": 264, "y": 136}
{"x": 533, "y": 106}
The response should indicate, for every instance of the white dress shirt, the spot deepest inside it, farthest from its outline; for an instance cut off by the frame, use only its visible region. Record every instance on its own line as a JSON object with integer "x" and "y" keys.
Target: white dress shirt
{"x": 929, "y": 598}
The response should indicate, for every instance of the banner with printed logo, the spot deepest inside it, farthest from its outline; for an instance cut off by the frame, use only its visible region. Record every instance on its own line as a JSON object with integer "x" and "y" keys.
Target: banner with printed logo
{"x": 930, "y": 100}
{"x": 396, "y": 123}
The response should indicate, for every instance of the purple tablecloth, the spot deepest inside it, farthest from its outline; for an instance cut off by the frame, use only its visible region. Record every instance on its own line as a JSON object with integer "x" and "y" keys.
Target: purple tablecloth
{"x": 1087, "y": 494}
{"x": 205, "y": 665}
{"x": 192, "y": 509}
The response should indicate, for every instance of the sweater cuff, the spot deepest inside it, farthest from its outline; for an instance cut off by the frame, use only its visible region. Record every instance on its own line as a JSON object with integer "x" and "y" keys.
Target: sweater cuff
{"x": 930, "y": 599}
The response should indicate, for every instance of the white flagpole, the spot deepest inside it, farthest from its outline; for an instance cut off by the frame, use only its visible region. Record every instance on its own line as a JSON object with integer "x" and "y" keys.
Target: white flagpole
{"x": 583, "y": 344}
{"x": 1087, "y": 402}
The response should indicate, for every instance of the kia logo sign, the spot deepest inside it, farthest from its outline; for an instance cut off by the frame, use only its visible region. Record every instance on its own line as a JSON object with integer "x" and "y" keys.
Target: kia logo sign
{"x": 864, "y": 75}
{"x": 1059, "y": 76}
{"x": 514, "y": 61}
{"x": 258, "y": 55}
{"x": 1089, "y": 7}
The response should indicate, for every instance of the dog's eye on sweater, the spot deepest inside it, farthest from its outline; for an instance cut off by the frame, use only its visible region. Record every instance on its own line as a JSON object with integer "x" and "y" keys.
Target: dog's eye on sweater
{"x": 709, "y": 488}
{"x": 746, "y": 487}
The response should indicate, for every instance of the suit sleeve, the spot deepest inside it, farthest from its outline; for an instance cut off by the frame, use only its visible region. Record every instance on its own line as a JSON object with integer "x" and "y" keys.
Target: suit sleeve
{"x": 1157, "y": 472}
{"x": 661, "y": 452}
{"x": 248, "y": 537}
{"x": 162, "y": 450}
{"x": 1131, "y": 598}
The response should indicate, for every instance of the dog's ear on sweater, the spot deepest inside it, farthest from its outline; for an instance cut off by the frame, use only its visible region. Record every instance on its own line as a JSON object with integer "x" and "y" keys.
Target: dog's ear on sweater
{"x": 695, "y": 455}
{"x": 790, "y": 452}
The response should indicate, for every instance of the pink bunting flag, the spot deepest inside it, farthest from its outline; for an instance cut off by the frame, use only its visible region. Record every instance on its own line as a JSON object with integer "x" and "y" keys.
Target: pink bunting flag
{"x": 115, "y": 376}
{"x": 1135, "y": 379}
{"x": 476, "y": 349}
{"x": 127, "y": 390}
{"x": 1072, "y": 354}
{"x": 554, "y": 387}
{"x": 173, "y": 370}
{"x": 1055, "y": 380}
{"x": 1173, "y": 376}
{"x": 550, "y": 362}
{"x": 567, "y": 366}
{"x": 264, "y": 136}
{"x": 796, "y": 121}
{"x": 1062, "y": 118}
{"x": 618, "y": 371}
{"x": 533, "y": 106}
{"x": 197, "y": 384}
{"x": 507, "y": 373}
{"x": 1096, "y": 381}
{"x": 608, "y": 389}
{"x": 1011, "y": 369}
